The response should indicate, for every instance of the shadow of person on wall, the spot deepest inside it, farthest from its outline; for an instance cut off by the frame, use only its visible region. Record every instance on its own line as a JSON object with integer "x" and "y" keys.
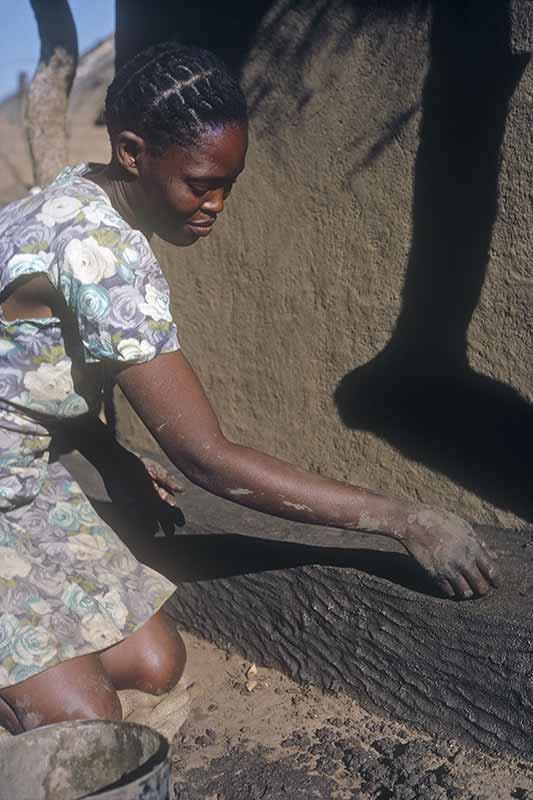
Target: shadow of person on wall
{"x": 420, "y": 393}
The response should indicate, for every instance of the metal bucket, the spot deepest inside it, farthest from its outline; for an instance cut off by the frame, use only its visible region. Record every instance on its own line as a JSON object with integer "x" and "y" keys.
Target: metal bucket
{"x": 74, "y": 760}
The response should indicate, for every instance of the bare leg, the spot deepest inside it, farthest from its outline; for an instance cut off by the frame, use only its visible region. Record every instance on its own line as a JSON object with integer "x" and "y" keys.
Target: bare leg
{"x": 150, "y": 660}
{"x": 79, "y": 688}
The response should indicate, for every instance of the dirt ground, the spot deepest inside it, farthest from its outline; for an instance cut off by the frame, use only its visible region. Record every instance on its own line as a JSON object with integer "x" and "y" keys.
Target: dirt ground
{"x": 251, "y": 735}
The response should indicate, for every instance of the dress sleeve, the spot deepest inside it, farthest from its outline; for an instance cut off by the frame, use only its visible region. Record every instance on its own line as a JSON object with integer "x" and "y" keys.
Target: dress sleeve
{"x": 114, "y": 286}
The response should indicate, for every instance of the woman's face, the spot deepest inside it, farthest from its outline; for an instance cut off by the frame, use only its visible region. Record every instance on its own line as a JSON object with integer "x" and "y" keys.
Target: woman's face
{"x": 183, "y": 191}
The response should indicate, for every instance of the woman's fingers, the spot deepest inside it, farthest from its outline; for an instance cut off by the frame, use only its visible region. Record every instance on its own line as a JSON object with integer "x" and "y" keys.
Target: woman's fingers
{"x": 476, "y": 580}
{"x": 464, "y": 586}
{"x": 476, "y": 569}
{"x": 167, "y": 480}
{"x": 488, "y": 570}
{"x": 446, "y": 587}
{"x": 481, "y": 571}
{"x": 461, "y": 586}
{"x": 174, "y": 485}
{"x": 162, "y": 477}
{"x": 166, "y": 496}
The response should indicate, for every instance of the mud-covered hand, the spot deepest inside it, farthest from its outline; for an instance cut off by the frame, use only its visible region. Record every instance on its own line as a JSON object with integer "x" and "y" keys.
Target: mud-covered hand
{"x": 451, "y": 552}
{"x": 163, "y": 482}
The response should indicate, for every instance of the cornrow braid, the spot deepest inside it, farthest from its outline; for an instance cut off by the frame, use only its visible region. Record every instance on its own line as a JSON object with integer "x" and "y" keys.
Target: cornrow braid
{"x": 170, "y": 93}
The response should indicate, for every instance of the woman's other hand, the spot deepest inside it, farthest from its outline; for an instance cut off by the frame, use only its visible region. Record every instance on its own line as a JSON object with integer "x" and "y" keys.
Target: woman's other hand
{"x": 164, "y": 483}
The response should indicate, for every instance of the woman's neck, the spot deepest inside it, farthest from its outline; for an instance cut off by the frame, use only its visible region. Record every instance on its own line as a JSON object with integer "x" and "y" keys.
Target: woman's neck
{"x": 121, "y": 190}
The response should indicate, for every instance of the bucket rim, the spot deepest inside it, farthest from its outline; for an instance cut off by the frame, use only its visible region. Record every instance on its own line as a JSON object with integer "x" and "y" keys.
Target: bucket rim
{"x": 163, "y": 748}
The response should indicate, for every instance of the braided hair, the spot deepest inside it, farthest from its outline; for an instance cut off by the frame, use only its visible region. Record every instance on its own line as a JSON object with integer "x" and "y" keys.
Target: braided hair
{"x": 170, "y": 93}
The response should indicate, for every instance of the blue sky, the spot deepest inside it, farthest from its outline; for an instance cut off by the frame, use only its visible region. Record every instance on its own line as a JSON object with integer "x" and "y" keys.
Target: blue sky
{"x": 19, "y": 40}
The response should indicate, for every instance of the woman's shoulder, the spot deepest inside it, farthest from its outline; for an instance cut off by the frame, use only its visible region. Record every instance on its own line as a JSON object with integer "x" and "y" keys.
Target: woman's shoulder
{"x": 77, "y": 199}
{"x": 68, "y": 222}
{"x": 75, "y": 202}
{"x": 70, "y": 200}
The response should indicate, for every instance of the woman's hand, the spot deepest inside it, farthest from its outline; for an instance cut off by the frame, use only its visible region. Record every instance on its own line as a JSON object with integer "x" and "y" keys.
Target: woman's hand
{"x": 450, "y": 551}
{"x": 163, "y": 482}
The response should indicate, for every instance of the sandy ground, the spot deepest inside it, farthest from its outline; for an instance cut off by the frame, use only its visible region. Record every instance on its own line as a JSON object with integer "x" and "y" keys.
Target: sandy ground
{"x": 259, "y": 735}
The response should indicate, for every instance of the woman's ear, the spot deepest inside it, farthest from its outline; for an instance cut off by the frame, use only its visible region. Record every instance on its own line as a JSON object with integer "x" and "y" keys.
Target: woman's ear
{"x": 128, "y": 149}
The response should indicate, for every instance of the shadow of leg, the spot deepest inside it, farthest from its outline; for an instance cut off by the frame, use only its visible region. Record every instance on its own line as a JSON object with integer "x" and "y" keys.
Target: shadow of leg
{"x": 420, "y": 393}
{"x": 475, "y": 430}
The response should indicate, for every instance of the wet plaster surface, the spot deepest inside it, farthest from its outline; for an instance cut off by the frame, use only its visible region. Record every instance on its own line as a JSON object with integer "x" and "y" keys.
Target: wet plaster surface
{"x": 454, "y": 669}
{"x": 278, "y": 740}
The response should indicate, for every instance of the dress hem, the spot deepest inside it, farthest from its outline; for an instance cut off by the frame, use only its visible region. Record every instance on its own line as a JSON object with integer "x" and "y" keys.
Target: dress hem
{"x": 90, "y": 650}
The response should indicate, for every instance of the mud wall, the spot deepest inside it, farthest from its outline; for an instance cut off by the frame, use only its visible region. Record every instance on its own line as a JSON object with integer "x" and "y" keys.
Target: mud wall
{"x": 363, "y": 307}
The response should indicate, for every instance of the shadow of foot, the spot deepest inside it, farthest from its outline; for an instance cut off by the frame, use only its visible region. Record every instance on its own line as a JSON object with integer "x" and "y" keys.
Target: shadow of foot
{"x": 476, "y": 430}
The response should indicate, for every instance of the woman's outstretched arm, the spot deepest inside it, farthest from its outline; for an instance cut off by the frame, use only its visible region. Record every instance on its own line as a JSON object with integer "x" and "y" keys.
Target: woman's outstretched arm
{"x": 169, "y": 398}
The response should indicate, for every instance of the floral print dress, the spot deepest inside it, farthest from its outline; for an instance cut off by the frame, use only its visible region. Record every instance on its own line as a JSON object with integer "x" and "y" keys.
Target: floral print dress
{"x": 68, "y": 585}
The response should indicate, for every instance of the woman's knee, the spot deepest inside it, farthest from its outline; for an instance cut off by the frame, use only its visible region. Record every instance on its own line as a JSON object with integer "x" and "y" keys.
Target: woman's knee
{"x": 73, "y": 707}
{"x": 162, "y": 661}
{"x": 74, "y": 690}
{"x": 151, "y": 660}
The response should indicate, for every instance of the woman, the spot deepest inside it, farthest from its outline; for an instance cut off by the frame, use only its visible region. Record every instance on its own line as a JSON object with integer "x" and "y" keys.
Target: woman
{"x": 82, "y": 295}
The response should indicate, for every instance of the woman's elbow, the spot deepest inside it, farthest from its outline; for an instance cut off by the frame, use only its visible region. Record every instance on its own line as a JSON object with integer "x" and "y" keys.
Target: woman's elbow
{"x": 204, "y": 465}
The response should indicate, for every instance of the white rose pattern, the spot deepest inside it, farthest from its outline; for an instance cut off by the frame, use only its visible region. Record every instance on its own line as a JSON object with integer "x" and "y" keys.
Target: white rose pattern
{"x": 68, "y": 585}
{"x": 50, "y": 381}
{"x": 33, "y": 646}
{"x": 98, "y": 631}
{"x": 40, "y": 607}
{"x": 58, "y": 210}
{"x": 99, "y": 214}
{"x": 156, "y": 304}
{"x": 12, "y": 565}
{"x": 133, "y": 350}
{"x": 87, "y": 546}
{"x": 88, "y": 261}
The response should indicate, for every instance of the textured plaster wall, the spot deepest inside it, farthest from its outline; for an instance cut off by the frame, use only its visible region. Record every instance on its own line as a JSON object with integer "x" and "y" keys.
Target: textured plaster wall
{"x": 323, "y": 262}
